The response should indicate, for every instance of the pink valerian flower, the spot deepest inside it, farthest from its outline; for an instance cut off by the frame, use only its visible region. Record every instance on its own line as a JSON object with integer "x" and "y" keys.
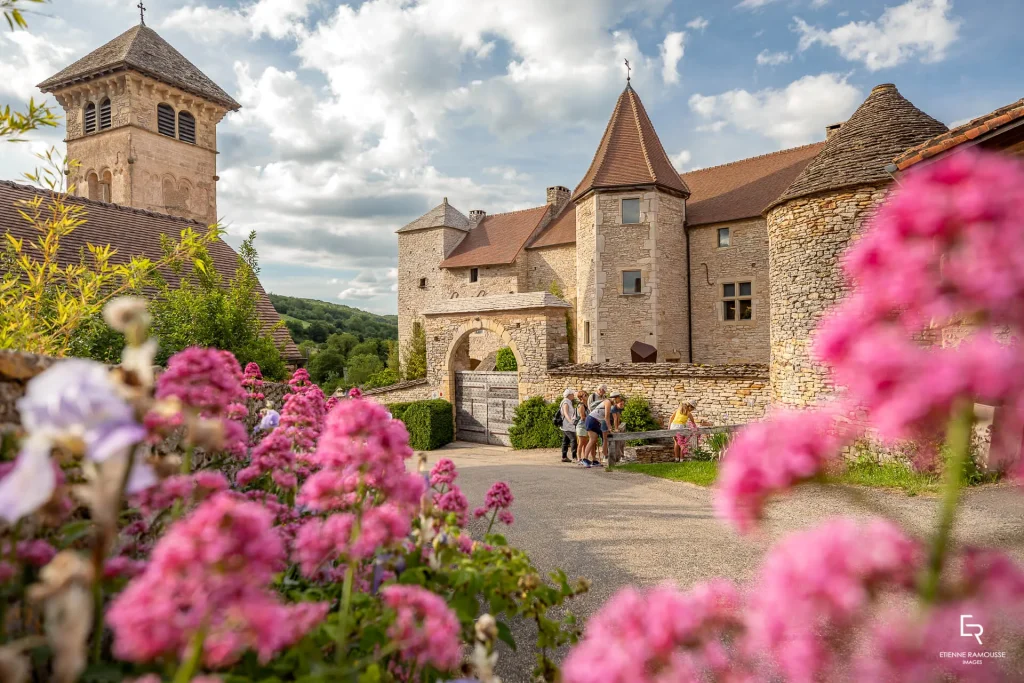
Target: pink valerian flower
{"x": 771, "y": 456}
{"x": 505, "y": 517}
{"x": 329, "y": 490}
{"x": 320, "y": 542}
{"x": 273, "y": 455}
{"x": 211, "y": 569}
{"x": 252, "y": 380}
{"x": 331, "y": 402}
{"x": 380, "y": 528}
{"x": 443, "y": 474}
{"x": 35, "y": 552}
{"x": 819, "y": 581}
{"x": 660, "y": 636}
{"x": 208, "y": 380}
{"x": 425, "y": 629}
{"x": 302, "y": 418}
{"x": 300, "y": 381}
{"x": 123, "y": 567}
{"x": 453, "y": 501}
{"x": 355, "y": 392}
{"x": 499, "y": 497}
{"x": 187, "y": 488}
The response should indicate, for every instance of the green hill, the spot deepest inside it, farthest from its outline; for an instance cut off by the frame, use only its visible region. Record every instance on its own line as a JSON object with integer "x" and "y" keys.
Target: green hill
{"x": 317, "y": 320}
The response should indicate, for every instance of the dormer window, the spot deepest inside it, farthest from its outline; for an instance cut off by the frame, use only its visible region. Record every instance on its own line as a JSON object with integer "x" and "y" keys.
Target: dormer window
{"x": 89, "y": 118}
{"x": 165, "y": 120}
{"x": 105, "y": 114}
{"x": 186, "y": 127}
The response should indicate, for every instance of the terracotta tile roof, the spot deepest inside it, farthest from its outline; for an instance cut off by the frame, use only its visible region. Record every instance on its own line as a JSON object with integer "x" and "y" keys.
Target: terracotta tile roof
{"x": 132, "y": 232}
{"x": 496, "y": 239}
{"x": 561, "y": 230}
{"x": 497, "y": 302}
{"x": 630, "y": 153}
{"x": 961, "y": 134}
{"x": 744, "y": 188}
{"x": 141, "y": 49}
{"x": 444, "y": 215}
{"x": 883, "y": 126}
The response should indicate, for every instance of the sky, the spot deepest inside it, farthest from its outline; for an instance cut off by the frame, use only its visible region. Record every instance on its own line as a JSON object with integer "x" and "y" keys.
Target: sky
{"x": 358, "y": 117}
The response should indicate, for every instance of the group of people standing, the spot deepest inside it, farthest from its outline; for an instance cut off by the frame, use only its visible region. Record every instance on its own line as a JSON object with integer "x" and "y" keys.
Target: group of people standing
{"x": 586, "y": 418}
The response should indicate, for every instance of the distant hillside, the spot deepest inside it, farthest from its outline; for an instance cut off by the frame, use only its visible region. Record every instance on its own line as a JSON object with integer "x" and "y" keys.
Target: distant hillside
{"x": 317, "y": 320}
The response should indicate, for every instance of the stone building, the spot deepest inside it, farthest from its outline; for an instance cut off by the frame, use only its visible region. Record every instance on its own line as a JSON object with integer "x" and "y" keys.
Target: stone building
{"x": 141, "y": 122}
{"x": 724, "y": 270}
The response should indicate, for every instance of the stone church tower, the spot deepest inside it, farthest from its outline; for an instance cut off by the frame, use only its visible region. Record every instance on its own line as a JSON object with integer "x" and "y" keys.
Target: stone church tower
{"x": 631, "y": 270}
{"x": 142, "y": 123}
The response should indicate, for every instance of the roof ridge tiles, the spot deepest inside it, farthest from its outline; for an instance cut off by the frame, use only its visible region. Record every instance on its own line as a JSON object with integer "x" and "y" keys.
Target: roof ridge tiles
{"x": 640, "y": 132}
{"x": 506, "y": 213}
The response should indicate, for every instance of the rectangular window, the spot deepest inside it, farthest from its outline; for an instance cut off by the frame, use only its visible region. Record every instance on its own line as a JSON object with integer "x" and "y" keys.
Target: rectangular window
{"x": 630, "y": 211}
{"x": 586, "y": 331}
{"x": 723, "y": 237}
{"x": 423, "y": 283}
{"x": 631, "y": 283}
{"x": 474, "y": 274}
{"x": 737, "y": 301}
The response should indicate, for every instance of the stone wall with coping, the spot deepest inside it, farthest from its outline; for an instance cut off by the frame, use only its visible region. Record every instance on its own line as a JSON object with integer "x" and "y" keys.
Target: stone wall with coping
{"x": 806, "y": 239}
{"x": 410, "y": 390}
{"x": 716, "y": 340}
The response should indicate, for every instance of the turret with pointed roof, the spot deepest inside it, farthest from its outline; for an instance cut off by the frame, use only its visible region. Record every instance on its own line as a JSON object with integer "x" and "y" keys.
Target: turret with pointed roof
{"x": 142, "y": 122}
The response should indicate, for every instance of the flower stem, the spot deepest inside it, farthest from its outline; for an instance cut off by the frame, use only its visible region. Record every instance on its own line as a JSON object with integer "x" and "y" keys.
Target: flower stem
{"x": 185, "y": 671}
{"x": 346, "y": 604}
{"x": 958, "y": 440}
{"x": 493, "y": 516}
{"x": 186, "y": 460}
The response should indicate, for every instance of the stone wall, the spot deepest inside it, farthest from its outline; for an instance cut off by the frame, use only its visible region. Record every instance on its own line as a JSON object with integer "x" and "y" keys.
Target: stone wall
{"x": 716, "y": 340}
{"x": 482, "y": 343}
{"x": 586, "y": 279}
{"x": 806, "y": 238}
{"x": 410, "y": 390}
{"x": 494, "y": 279}
{"x": 552, "y": 264}
{"x": 726, "y": 394}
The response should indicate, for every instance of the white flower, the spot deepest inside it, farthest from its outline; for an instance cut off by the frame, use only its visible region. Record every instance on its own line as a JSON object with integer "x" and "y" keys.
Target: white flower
{"x": 125, "y": 312}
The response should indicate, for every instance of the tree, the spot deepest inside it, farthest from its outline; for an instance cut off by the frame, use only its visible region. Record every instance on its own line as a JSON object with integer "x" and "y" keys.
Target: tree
{"x": 361, "y": 368}
{"x": 318, "y": 332}
{"x": 393, "y": 361}
{"x": 505, "y": 360}
{"x": 307, "y": 348}
{"x": 342, "y": 343}
{"x": 325, "y": 364}
{"x": 366, "y": 347}
{"x": 384, "y": 378}
{"x": 416, "y": 353}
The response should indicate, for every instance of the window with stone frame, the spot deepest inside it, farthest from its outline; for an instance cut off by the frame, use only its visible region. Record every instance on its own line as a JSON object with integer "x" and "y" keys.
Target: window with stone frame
{"x": 737, "y": 301}
{"x": 632, "y": 282}
{"x": 89, "y": 118}
{"x": 105, "y": 114}
{"x": 724, "y": 237}
{"x": 105, "y": 187}
{"x": 474, "y": 274}
{"x": 186, "y": 127}
{"x": 630, "y": 211}
{"x": 165, "y": 120}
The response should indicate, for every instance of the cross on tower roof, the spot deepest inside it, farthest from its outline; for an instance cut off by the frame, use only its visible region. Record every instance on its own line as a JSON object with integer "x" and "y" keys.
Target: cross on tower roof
{"x": 628, "y": 69}
{"x": 142, "y": 13}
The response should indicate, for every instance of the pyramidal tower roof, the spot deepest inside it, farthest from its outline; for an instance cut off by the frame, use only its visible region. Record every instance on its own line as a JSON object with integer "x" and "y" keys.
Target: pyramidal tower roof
{"x": 141, "y": 49}
{"x": 444, "y": 215}
{"x": 630, "y": 153}
{"x": 885, "y": 125}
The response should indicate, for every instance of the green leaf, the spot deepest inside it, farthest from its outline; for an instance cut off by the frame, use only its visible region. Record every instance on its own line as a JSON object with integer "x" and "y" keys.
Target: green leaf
{"x": 371, "y": 675}
{"x": 505, "y": 635}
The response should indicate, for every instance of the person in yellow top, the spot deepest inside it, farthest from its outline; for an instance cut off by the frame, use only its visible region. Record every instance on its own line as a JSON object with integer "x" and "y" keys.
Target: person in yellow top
{"x": 683, "y": 419}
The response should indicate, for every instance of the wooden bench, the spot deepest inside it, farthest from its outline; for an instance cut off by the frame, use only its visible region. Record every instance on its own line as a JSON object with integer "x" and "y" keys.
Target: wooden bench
{"x": 617, "y": 440}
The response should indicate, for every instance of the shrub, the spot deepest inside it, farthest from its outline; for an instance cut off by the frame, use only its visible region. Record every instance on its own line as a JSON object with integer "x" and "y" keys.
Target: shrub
{"x": 362, "y": 367}
{"x": 532, "y": 426}
{"x": 505, "y": 360}
{"x": 416, "y": 353}
{"x": 429, "y": 422}
{"x": 636, "y": 416}
{"x": 397, "y": 410}
{"x": 384, "y": 378}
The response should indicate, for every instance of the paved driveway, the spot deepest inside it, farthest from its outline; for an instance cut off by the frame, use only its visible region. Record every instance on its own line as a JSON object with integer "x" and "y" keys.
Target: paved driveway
{"x": 619, "y": 528}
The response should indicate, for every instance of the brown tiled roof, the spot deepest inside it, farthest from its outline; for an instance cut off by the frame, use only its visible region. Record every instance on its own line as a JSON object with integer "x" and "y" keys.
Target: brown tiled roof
{"x": 630, "y": 153}
{"x": 961, "y": 134}
{"x": 561, "y": 230}
{"x": 883, "y": 126}
{"x": 496, "y": 239}
{"x": 132, "y": 232}
{"x": 444, "y": 215}
{"x": 141, "y": 49}
{"x": 744, "y": 188}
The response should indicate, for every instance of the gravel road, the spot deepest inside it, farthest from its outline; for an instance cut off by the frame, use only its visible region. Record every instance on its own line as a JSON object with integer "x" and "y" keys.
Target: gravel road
{"x": 619, "y": 528}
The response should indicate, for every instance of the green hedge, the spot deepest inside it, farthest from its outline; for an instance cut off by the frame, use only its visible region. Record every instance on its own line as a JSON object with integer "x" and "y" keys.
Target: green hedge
{"x": 636, "y": 417}
{"x": 429, "y": 422}
{"x": 532, "y": 426}
{"x": 505, "y": 360}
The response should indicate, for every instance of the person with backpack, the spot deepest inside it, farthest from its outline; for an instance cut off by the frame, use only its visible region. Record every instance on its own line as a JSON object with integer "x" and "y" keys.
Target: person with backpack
{"x": 565, "y": 419}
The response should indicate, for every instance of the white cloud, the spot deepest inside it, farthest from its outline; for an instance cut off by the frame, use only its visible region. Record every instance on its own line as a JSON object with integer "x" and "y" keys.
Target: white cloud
{"x": 794, "y": 115}
{"x": 28, "y": 59}
{"x": 275, "y": 18}
{"x": 767, "y": 58}
{"x": 698, "y": 24}
{"x": 371, "y": 284}
{"x": 817, "y": 4}
{"x": 754, "y": 4}
{"x": 681, "y": 159}
{"x": 671, "y": 53}
{"x": 918, "y": 28}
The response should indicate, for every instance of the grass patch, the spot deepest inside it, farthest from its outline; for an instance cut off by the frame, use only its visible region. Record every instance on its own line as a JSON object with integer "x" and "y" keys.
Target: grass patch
{"x": 693, "y": 471}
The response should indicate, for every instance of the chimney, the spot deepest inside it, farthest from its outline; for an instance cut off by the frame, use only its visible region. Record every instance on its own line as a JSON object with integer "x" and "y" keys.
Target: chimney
{"x": 476, "y": 215}
{"x": 832, "y": 129}
{"x": 557, "y": 197}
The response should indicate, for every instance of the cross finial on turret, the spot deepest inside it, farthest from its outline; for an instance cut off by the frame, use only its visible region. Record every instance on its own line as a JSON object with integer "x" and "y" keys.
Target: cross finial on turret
{"x": 142, "y": 13}
{"x": 628, "y": 69}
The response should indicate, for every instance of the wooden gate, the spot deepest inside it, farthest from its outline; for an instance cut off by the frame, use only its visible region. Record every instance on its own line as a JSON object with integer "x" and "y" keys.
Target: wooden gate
{"x": 484, "y": 405}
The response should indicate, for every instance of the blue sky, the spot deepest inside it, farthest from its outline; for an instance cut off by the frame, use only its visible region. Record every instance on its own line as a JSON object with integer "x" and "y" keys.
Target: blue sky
{"x": 359, "y": 117}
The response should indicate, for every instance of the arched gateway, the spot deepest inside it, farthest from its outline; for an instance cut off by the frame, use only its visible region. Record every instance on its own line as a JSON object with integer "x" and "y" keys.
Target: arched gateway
{"x": 532, "y": 325}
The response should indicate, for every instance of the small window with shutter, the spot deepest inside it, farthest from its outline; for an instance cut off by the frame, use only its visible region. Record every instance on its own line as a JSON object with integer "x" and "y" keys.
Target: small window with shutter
{"x": 105, "y": 114}
{"x": 187, "y": 128}
{"x": 89, "y": 118}
{"x": 165, "y": 120}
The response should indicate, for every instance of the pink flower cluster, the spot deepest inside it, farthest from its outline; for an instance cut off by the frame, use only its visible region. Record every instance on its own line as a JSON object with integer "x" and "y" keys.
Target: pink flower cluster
{"x": 252, "y": 380}
{"x": 211, "y": 570}
{"x": 208, "y": 380}
{"x": 186, "y": 488}
{"x": 497, "y": 501}
{"x": 426, "y": 631}
{"x": 274, "y": 455}
{"x": 302, "y": 418}
{"x": 300, "y": 381}
{"x": 660, "y": 636}
{"x": 34, "y": 553}
{"x": 443, "y": 474}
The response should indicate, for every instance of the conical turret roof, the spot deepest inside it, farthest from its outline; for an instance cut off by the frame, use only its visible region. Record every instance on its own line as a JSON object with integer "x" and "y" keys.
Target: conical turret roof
{"x": 141, "y": 49}
{"x": 630, "y": 153}
{"x": 444, "y": 215}
{"x": 884, "y": 125}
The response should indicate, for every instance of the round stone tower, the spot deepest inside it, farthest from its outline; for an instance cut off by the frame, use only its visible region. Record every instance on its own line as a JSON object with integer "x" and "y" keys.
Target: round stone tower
{"x": 811, "y": 223}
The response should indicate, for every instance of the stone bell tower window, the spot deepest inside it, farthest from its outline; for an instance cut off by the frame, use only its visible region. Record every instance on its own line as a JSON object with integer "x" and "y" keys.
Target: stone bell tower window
{"x": 105, "y": 114}
{"x": 186, "y": 127}
{"x": 104, "y": 187}
{"x": 89, "y": 116}
{"x": 165, "y": 120}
